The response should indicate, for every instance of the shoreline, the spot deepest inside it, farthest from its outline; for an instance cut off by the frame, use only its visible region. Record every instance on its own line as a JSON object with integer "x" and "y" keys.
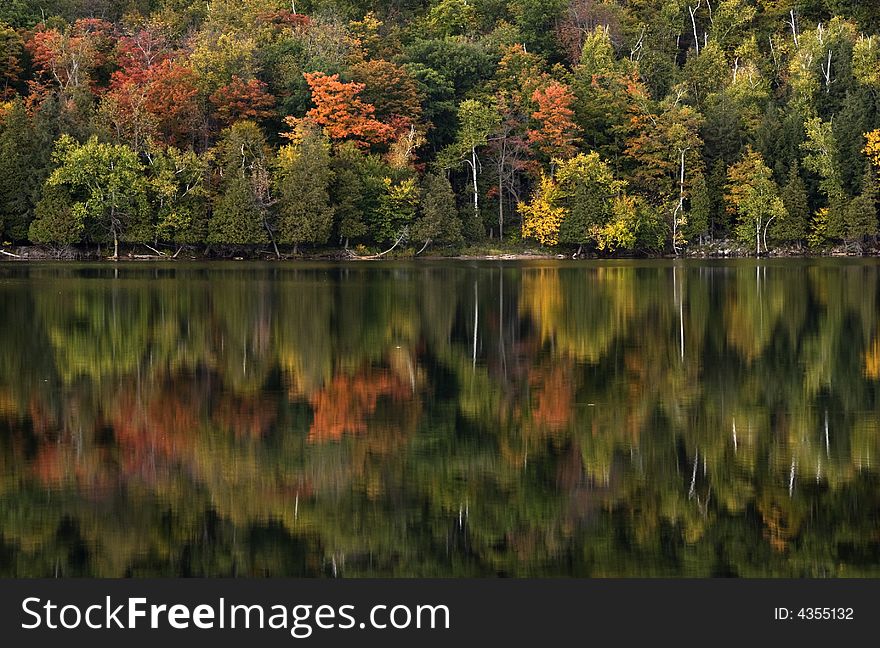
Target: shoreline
{"x": 718, "y": 250}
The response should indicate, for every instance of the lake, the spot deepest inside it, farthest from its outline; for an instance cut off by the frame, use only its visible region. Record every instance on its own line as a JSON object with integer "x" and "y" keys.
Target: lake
{"x": 441, "y": 418}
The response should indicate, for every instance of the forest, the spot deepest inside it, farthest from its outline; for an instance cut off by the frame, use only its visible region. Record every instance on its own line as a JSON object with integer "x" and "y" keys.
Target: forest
{"x": 603, "y": 126}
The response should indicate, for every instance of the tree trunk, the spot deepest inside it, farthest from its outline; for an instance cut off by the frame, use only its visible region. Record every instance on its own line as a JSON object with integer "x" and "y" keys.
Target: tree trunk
{"x": 500, "y": 216}
{"x": 758, "y": 236}
{"x": 115, "y": 247}
{"x": 476, "y": 190}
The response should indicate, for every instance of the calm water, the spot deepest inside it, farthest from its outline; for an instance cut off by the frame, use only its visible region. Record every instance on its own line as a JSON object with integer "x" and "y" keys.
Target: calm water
{"x": 441, "y": 419}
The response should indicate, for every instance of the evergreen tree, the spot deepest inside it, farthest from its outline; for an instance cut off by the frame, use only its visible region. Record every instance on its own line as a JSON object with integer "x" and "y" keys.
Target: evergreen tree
{"x": 55, "y": 220}
{"x": 302, "y": 178}
{"x": 793, "y": 227}
{"x": 236, "y": 218}
{"x": 17, "y": 173}
{"x": 438, "y": 221}
{"x": 700, "y": 208}
{"x": 861, "y": 214}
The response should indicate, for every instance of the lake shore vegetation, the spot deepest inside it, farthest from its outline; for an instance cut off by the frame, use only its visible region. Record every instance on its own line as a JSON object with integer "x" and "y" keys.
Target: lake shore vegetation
{"x": 234, "y": 128}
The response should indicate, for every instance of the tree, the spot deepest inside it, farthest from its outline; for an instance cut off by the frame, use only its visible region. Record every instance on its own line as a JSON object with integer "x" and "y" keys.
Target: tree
{"x": 753, "y": 197}
{"x": 55, "y": 220}
{"x": 666, "y": 158}
{"x": 242, "y": 204}
{"x": 590, "y": 189}
{"x": 303, "y": 176}
{"x": 17, "y": 172}
{"x": 557, "y": 134}
{"x": 861, "y": 214}
{"x": 397, "y": 210}
{"x": 544, "y": 213}
{"x": 108, "y": 188}
{"x": 390, "y": 90}
{"x": 237, "y": 218}
{"x": 124, "y": 111}
{"x": 700, "y": 210}
{"x": 242, "y": 99}
{"x": 797, "y": 210}
{"x": 172, "y": 97}
{"x": 581, "y": 204}
{"x": 358, "y": 184}
{"x": 476, "y": 122}
{"x": 11, "y": 49}
{"x": 872, "y": 148}
{"x": 438, "y": 216}
{"x": 341, "y": 113}
{"x": 178, "y": 193}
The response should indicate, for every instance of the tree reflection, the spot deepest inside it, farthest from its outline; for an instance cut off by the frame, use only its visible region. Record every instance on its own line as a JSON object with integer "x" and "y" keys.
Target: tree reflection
{"x": 532, "y": 419}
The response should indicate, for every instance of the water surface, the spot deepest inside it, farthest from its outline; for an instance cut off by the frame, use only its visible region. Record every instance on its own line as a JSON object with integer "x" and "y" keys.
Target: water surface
{"x": 440, "y": 419}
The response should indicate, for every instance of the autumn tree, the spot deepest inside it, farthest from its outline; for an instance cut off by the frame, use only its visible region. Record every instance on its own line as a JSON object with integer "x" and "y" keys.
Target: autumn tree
{"x": 172, "y": 97}
{"x": 341, "y": 113}
{"x": 556, "y": 135}
{"x": 581, "y": 204}
{"x": 242, "y": 99}
{"x": 390, "y": 89}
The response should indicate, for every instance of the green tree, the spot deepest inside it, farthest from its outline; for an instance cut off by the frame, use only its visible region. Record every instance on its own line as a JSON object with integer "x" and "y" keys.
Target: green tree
{"x": 438, "y": 220}
{"x": 179, "y": 196}
{"x": 108, "y": 188}
{"x": 476, "y": 122}
{"x": 243, "y": 197}
{"x": 753, "y": 198}
{"x": 237, "y": 219}
{"x": 793, "y": 228}
{"x": 700, "y": 210}
{"x": 55, "y": 220}
{"x": 861, "y": 213}
{"x": 302, "y": 178}
{"x": 16, "y": 172}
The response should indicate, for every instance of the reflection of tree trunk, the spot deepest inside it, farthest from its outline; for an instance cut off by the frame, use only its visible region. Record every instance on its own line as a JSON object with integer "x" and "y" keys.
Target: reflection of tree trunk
{"x": 501, "y": 321}
{"x": 476, "y": 321}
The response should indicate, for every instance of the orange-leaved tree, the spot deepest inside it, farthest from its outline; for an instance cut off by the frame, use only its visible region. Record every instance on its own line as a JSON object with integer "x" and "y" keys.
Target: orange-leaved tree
{"x": 341, "y": 113}
{"x": 556, "y": 135}
{"x": 242, "y": 99}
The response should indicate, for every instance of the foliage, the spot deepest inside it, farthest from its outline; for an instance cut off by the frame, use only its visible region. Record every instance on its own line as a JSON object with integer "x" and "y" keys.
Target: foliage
{"x": 668, "y": 94}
